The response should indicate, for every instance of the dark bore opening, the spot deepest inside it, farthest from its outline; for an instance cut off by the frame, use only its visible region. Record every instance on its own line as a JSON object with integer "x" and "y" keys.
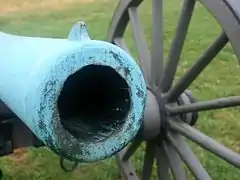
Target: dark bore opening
{"x": 94, "y": 103}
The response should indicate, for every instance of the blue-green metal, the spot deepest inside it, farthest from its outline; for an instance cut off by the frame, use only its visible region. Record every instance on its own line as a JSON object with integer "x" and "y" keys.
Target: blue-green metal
{"x": 33, "y": 71}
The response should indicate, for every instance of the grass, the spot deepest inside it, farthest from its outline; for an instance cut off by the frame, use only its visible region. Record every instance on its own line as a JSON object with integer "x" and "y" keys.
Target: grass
{"x": 220, "y": 79}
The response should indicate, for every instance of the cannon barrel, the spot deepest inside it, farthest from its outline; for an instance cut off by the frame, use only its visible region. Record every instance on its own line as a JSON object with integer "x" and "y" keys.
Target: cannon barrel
{"x": 82, "y": 98}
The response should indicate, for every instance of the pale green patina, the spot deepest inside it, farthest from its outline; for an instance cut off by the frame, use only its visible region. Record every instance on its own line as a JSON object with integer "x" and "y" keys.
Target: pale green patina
{"x": 33, "y": 73}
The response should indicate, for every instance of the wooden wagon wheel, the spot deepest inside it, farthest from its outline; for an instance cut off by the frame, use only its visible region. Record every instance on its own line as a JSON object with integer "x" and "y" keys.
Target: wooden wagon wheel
{"x": 171, "y": 110}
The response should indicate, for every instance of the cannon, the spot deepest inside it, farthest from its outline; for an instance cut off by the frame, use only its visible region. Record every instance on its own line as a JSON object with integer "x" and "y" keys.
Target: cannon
{"x": 82, "y": 98}
{"x": 166, "y": 112}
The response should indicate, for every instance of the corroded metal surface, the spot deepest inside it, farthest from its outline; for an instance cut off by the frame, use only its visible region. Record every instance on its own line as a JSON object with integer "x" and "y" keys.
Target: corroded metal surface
{"x": 33, "y": 72}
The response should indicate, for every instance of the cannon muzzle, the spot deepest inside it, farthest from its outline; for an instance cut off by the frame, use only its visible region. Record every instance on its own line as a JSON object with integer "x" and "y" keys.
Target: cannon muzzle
{"x": 82, "y": 98}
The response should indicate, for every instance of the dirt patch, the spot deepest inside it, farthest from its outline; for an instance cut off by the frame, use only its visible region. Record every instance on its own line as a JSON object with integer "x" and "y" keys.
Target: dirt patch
{"x": 19, "y": 156}
{"x": 8, "y": 6}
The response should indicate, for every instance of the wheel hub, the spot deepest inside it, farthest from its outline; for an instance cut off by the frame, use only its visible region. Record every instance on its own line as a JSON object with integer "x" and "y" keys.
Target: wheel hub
{"x": 156, "y": 115}
{"x": 187, "y": 98}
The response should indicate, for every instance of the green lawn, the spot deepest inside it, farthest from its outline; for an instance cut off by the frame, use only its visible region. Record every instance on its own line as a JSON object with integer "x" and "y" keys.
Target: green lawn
{"x": 221, "y": 78}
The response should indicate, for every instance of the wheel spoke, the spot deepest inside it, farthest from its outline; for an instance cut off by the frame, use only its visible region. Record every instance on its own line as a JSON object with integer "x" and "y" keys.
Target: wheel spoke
{"x": 148, "y": 160}
{"x": 126, "y": 167}
{"x": 157, "y": 41}
{"x": 162, "y": 163}
{"x": 206, "y": 142}
{"x": 197, "y": 68}
{"x": 205, "y": 105}
{"x": 131, "y": 149}
{"x": 177, "y": 44}
{"x": 187, "y": 156}
{"x": 120, "y": 43}
{"x": 142, "y": 49}
{"x": 175, "y": 162}
{"x": 119, "y": 21}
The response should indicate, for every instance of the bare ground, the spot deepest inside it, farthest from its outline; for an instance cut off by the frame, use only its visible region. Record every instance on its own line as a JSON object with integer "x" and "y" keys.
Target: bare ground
{"x": 8, "y": 6}
{"x": 19, "y": 156}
